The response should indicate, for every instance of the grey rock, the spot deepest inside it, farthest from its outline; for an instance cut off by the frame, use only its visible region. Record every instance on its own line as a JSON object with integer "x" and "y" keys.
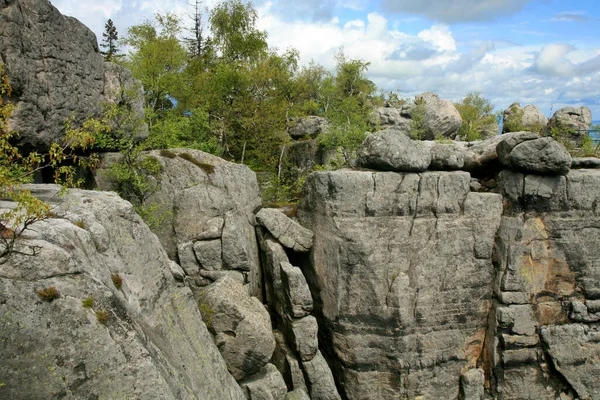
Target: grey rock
{"x": 482, "y": 155}
{"x": 582, "y": 313}
{"x": 392, "y": 116}
{"x": 177, "y": 272}
{"x": 574, "y": 353}
{"x": 585, "y": 162}
{"x": 509, "y": 341}
{"x": 304, "y": 335}
{"x": 287, "y": 363}
{"x": 391, "y": 150}
{"x": 402, "y": 263}
{"x": 571, "y": 122}
{"x": 320, "y": 380}
{"x": 297, "y": 394}
{"x": 187, "y": 259}
{"x": 206, "y": 198}
{"x": 514, "y": 298}
{"x": 273, "y": 255}
{"x": 529, "y": 118}
{"x": 441, "y": 117}
{"x": 241, "y": 325}
{"x": 56, "y": 71}
{"x": 154, "y": 343}
{"x": 267, "y": 384}
{"x": 520, "y": 319}
{"x": 212, "y": 276}
{"x": 447, "y": 157}
{"x": 208, "y": 254}
{"x": 296, "y": 290}
{"x": 543, "y": 156}
{"x": 472, "y": 384}
{"x": 309, "y": 126}
{"x": 287, "y": 231}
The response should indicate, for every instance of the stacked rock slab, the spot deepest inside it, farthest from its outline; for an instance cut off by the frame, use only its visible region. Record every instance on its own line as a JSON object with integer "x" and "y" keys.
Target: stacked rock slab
{"x": 402, "y": 265}
{"x": 289, "y": 298}
{"x": 144, "y": 340}
{"x": 206, "y": 215}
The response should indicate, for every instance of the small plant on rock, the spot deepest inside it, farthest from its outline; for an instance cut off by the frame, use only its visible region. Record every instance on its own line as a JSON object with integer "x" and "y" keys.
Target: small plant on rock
{"x": 48, "y": 294}
{"x": 88, "y": 303}
{"x": 117, "y": 280}
{"x": 103, "y": 317}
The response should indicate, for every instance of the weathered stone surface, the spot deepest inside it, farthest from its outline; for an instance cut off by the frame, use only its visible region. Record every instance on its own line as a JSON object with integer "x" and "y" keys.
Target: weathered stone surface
{"x": 481, "y": 155}
{"x": 187, "y": 259}
{"x": 575, "y": 353}
{"x": 543, "y": 156}
{"x": 441, "y": 117}
{"x": 529, "y": 118}
{"x": 154, "y": 344}
{"x": 447, "y": 156}
{"x": 298, "y": 394}
{"x": 391, "y": 150}
{"x": 309, "y": 126}
{"x": 581, "y": 313}
{"x": 320, "y": 380}
{"x": 55, "y": 69}
{"x": 399, "y": 118}
{"x": 573, "y": 122}
{"x": 208, "y": 254}
{"x": 287, "y": 363}
{"x": 201, "y": 197}
{"x": 267, "y": 384}
{"x": 472, "y": 384}
{"x": 241, "y": 325}
{"x": 585, "y": 162}
{"x": 304, "y": 335}
{"x": 297, "y": 292}
{"x": 404, "y": 271}
{"x": 272, "y": 255}
{"x": 287, "y": 231}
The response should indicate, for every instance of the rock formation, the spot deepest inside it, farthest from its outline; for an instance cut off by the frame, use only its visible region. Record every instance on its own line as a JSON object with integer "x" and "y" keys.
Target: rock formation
{"x": 571, "y": 122}
{"x": 441, "y": 117}
{"x": 121, "y": 325}
{"x": 56, "y": 71}
{"x": 528, "y": 118}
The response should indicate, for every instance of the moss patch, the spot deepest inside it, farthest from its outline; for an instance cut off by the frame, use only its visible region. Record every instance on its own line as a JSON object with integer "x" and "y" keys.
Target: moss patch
{"x": 208, "y": 168}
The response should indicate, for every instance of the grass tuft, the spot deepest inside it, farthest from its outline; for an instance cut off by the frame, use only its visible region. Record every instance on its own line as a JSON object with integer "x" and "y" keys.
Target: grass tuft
{"x": 48, "y": 294}
{"x": 117, "y": 280}
{"x": 103, "y": 317}
{"x": 88, "y": 303}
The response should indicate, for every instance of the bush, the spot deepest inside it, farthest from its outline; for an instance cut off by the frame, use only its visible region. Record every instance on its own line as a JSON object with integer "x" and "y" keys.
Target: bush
{"x": 48, "y": 294}
{"x": 476, "y": 113}
{"x": 88, "y": 303}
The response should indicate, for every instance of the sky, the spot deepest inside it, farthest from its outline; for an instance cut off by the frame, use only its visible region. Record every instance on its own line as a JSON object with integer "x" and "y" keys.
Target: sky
{"x": 542, "y": 52}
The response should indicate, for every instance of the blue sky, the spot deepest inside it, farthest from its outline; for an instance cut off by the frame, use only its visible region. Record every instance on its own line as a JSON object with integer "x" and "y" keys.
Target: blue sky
{"x": 542, "y": 52}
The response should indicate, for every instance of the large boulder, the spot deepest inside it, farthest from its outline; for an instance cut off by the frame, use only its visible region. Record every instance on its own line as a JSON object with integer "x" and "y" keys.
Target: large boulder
{"x": 538, "y": 155}
{"x": 204, "y": 203}
{"x": 392, "y": 150}
{"x": 402, "y": 271}
{"x": 241, "y": 325}
{"x": 399, "y": 118}
{"x": 287, "y": 231}
{"x": 441, "y": 118}
{"x": 55, "y": 68}
{"x": 571, "y": 124}
{"x": 529, "y": 118}
{"x": 309, "y": 126}
{"x": 141, "y": 339}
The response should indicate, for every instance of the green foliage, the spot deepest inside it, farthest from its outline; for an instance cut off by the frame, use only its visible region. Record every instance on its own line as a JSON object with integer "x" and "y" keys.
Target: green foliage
{"x": 88, "y": 303}
{"x": 476, "y": 113}
{"x": 514, "y": 123}
{"x": 48, "y": 294}
{"x": 117, "y": 280}
{"x": 17, "y": 169}
{"x": 110, "y": 39}
{"x": 278, "y": 192}
{"x": 417, "y": 127}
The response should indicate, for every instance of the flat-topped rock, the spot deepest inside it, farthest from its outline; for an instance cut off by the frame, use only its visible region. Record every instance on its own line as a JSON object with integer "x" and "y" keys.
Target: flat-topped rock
{"x": 392, "y": 150}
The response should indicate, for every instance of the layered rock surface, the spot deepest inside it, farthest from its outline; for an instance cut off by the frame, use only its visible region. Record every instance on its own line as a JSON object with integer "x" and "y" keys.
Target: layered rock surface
{"x": 56, "y": 71}
{"x": 144, "y": 340}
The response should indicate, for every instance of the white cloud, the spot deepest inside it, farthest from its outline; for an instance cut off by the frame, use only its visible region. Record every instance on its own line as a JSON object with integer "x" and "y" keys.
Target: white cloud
{"x": 440, "y": 37}
{"x": 552, "y": 60}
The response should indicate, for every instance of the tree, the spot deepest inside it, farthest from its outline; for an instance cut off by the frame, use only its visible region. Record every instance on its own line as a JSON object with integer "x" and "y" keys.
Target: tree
{"x": 110, "y": 42}
{"x": 478, "y": 120}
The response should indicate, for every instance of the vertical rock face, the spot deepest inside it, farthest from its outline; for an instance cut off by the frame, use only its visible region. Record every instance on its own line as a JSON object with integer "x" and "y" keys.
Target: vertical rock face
{"x": 548, "y": 280}
{"x": 142, "y": 340}
{"x": 55, "y": 68}
{"x": 401, "y": 268}
{"x": 206, "y": 211}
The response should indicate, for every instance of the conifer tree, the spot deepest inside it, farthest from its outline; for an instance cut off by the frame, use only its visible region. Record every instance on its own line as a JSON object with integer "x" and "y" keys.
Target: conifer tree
{"x": 110, "y": 42}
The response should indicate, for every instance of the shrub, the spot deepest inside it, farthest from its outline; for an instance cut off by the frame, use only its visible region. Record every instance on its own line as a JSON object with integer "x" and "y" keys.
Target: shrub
{"x": 476, "y": 113}
{"x": 48, "y": 294}
{"x": 417, "y": 127}
{"x": 103, "y": 317}
{"x": 88, "y": 303}
{"x": 117, "y": 280}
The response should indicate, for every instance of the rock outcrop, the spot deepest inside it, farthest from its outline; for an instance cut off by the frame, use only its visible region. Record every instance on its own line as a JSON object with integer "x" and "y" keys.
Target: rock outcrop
{"x": 310, "y": 126}
{"x": 571, "y": 123}
{"x": 56, "y": 71}
{"x": 207, "y": 208}
{"x": 441, "y": 117}
{"x": 120, "y": 326}
{"x": 528, "y": 118}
